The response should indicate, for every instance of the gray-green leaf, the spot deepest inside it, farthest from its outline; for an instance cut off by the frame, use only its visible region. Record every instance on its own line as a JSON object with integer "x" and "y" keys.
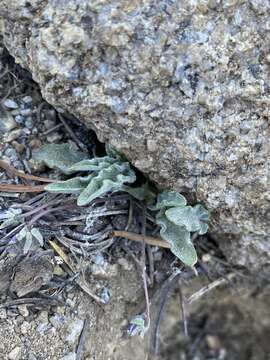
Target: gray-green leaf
{"x": 179, "y": 239}
{"x": 59, "y": 156}
{"x": 37, "y": 234}
{"x": 168, "y": 199}
{"x": 107, "y": 180}
{"x": 95, "y": 164}
{"x": 142, "y": 193}
{"x": 71, "y": 186}
{"x": 28, "y": 242}
{"x": 189, "y": 217}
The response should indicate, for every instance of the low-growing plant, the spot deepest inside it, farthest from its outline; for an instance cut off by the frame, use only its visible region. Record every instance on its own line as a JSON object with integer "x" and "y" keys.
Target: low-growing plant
{"x": 112, "y": 173}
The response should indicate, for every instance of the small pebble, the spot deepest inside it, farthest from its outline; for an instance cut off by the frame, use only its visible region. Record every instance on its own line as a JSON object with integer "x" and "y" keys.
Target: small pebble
{"x": 26, "y": 131}
{"x": 15, "y": 112}
{"x": 13, "y": 135}
{"x": 74, "y": 330}
{"x": 126, "y": 265}
{"x": 32, "y": 356}
{"x": 29, "y": 123}
{"x": 54, "y": 137}
{"x": 15, "y": 354}
{"x": 42, "y": 328}
{"x": 10, "y": 104}
{"x": 43, "y": 317}
{"x": 69, "y": 356}
{"x": 57, "y": 321}
{"x": 11, "y": 154}
{"x": 3, "y": 314}
{"x": 48, "y": 124}
{"x": 7, "y": 121}
{"x": 26, "y": 112}
{"x": 35, "y": 143}
{"x": 25, "y": 327}
{"x": 19, "y": 119}
{"x": 23, "y": 310}
{"x": 18, "y": 147}
{"x": 27, "y": 99}
{"x": 213, "y": 342}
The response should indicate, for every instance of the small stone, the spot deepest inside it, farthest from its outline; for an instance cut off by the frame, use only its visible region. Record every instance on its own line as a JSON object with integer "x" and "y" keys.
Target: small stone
{"x": 25, "y": 327}
{"x": 26, "y": 131}
{"x": 18, "y": 147}
{"x": 10, "y": 104}
{"x": 43, "y": 317}
{"x": 13, "y": 135}
{"x": 36, "y": 166}
{"x": 15, "y": 354}
{"x": 69, "y": 356}
{"x": 213, "y": 342}
{"x": 23, "y": 310}
{"x": 57, "y": 321}
{"x": 19, "y": 119}
{"x": 58, "y": 271}
{"x": 42, "y": 328}
{"x": 126, "y": 265}
{"x": 48, "y": 124}
{"x": 3, "y": 314}
{"x": 15, "y": 112}
{"x": 26, "y": 112}
{"x": 32, "y": 356}
{"x": 27, "y": 99}
{"x": 35, "y": 143}
{"x": 54, "y": 137}
{"x": 29, "y": 123}
{"x": 7, "y": 122}
{"x": 74, "y": 330}
{"x": 206, "y": 258}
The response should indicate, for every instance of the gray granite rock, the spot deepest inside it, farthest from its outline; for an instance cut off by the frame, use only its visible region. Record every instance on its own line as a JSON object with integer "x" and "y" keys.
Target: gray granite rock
{"x": 181, "y": 87}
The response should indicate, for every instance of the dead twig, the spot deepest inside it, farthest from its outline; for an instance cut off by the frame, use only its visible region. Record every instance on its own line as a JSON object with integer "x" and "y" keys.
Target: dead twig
{"x": 183, "y": 308}
{"x": 33, "y": 301}
{"x": 209, "y": 287}
{"x": 71, "y": 271}
{"x": 21, "y": 188}
{"x": 163, "y": 295}
{"x": 82, "y": 337}
{"x": 143, "y": 265}
{"x": 71, "y": 132}
{"x": 13, "y": 171}
{"x": 136, "y": 237}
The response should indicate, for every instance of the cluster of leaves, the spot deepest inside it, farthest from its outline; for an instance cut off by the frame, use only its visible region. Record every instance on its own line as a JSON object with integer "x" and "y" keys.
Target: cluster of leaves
{"x": 103, "y": 174}
{"x": 111, "y": 173}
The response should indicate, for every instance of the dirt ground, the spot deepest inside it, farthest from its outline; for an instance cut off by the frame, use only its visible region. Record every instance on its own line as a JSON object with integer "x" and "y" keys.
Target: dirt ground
{"x": 230, "y": 321}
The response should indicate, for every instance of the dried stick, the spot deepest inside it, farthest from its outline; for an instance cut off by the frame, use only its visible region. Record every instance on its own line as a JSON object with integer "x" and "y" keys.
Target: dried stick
{"x": 143, "y": 265}
{"x": 12, "y": 170}
{"x": 136, "y": 237}
{"x": 183, "y": 308}
{"x": 71, "y": 132}
{"x": 21, "y": 188}
{"x": 82, "y": 337}
{"x": 209, "y": 287}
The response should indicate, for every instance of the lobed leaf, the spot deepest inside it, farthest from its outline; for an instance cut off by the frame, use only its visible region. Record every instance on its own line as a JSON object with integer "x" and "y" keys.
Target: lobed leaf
{"x": 37, "y": 235}
{"x": 108, "y": 180}
{"x": 189, "y": 217}
{"x": 179, "y": 239}
{"x": 168, "y": 199}
{"x": 95, "y": 164}
{"x": 71, "y": 186}
{"x": 142, "y": 193}
{"x": 58, "y": 156}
